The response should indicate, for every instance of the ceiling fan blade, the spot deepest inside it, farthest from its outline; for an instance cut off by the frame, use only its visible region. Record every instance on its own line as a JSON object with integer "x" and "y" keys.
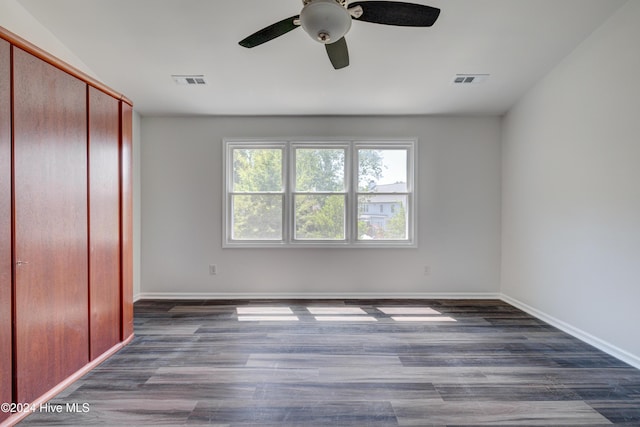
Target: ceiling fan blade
{"x": 270, "y": 32}
{"x": 397, "y": 13}
{"x": 338, "y": 53}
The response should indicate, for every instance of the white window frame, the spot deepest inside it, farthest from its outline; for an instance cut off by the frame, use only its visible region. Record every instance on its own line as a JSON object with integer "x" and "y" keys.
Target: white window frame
{"x": 351, "y": 146}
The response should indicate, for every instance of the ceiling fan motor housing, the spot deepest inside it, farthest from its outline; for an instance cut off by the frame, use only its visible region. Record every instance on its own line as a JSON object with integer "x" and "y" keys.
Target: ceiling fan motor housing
{"x": 326, "y": 21}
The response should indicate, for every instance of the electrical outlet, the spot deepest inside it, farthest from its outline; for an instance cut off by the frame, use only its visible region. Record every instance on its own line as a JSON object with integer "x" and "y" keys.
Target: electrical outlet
{"x": 427, "y": 270}
{"x": 213, "y": 270}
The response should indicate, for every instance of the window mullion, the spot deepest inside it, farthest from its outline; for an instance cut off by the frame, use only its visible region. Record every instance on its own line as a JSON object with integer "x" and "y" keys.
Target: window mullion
{"x": 287, "y": 198}
{"x": 352, "y": 203}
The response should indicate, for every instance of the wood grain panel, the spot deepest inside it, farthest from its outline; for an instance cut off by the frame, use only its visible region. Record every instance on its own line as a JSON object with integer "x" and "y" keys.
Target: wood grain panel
{"x": 126, "y": 237}
{"x": 50, "y": 231}
{"x": 5, "y": 226}
{"x": 104, "y": 222}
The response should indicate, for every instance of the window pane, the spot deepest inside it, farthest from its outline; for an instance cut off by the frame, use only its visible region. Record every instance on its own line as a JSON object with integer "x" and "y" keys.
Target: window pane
{"x": 382, "y": 171}
{"x": 387, "y": 220}
{"x": 320, "y": 217}
{"x": 257, "y": 169}
{"x": 257, "y": 217}
{"x": 320, "y": 169}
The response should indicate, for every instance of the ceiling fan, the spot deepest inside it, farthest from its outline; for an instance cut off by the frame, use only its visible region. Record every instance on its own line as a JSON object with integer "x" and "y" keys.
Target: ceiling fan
{"x": 327, "y": 21}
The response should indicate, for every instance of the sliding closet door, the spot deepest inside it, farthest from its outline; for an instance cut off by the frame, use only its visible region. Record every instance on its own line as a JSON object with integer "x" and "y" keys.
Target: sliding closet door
{"x": 51, "y": 243}
{"x": 104, "y": 222}
{"x": 126, "y": 238}
{"x": 5, "y": 225}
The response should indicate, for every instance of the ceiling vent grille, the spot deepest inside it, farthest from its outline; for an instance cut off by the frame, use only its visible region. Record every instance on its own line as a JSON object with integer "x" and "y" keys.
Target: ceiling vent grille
{"x": 465, "y": 79}
{"x": 195, "y": 79}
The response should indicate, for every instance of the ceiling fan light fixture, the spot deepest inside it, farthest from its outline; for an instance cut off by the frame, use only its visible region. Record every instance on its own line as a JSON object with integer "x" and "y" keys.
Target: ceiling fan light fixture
{"x": 326, "y": 21}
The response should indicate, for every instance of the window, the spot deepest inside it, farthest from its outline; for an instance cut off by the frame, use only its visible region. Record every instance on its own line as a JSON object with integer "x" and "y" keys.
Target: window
{"x": 384, "y": 178}
{"x": 319, "y": 193}
{"x": 257, "y": 193}
{"x": 325, "y": 193}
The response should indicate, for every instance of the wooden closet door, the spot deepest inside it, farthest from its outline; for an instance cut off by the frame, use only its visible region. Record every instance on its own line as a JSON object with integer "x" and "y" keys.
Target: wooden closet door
{"x": 104, "y": 222}
{"x": 51, "y": 242}
{"x": 5, "y": 226}
{"x": 126, "y": 238}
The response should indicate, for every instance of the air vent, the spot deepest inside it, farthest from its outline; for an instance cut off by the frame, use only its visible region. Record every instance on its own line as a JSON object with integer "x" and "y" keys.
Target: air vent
{"x": 465, "y": 79}
{"x": 195, "y": 79}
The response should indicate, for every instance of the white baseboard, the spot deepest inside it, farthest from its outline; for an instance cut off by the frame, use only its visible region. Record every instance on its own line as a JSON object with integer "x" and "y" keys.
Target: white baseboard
{"x": 322, "y": 295}
{"x": 608, "y": 348}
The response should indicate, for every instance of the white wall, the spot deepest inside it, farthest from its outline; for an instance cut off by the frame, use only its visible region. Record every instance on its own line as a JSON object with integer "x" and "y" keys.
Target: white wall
{"x": 16, "y": 19}
{"x": 459, "y": 212}
{"x": 137, "y": 206}
{"x": 571, "y": 190}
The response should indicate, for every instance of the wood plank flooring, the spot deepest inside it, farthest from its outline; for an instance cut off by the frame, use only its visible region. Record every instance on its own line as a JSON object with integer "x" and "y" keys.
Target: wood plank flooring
{"x": 386, "y": 363}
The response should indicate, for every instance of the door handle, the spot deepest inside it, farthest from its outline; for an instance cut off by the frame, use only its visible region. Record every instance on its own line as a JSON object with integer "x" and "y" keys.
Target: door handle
{"x": 22, "y": 262}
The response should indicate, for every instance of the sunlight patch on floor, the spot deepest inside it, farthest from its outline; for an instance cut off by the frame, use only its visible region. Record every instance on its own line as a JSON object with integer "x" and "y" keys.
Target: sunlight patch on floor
{"x": 346, "y": 318}
{"x": 408, "y": 310}
{"x": 422, "y": 319}
{"x": 267, "y": 318}
{"x": 264, "y": 310}
{"x": 336, "y": 310}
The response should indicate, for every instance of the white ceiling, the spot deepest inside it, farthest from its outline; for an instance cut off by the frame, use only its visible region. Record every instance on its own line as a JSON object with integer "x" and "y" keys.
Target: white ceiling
{"x": 135, "y": 46}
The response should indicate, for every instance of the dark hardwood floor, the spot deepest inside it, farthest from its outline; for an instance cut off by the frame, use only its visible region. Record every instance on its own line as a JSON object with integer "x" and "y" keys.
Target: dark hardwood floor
{"x": 389, "y": 362}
